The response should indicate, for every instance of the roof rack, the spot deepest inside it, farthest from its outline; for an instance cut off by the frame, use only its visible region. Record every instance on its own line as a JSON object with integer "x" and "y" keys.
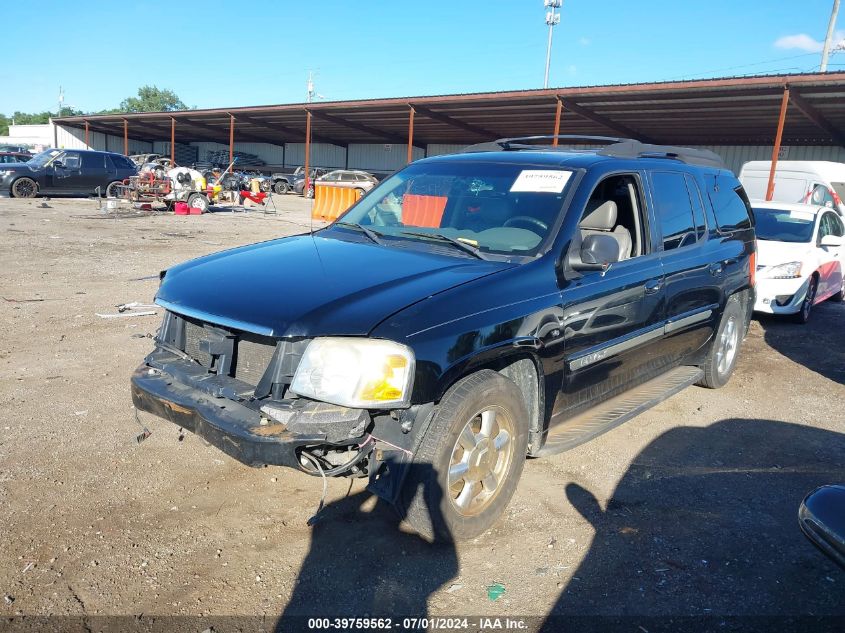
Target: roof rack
{"x": 612, "y": 146}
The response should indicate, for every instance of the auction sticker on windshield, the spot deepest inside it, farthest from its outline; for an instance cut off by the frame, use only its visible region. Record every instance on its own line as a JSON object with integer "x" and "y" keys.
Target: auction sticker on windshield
{"x": 541, "y": 181}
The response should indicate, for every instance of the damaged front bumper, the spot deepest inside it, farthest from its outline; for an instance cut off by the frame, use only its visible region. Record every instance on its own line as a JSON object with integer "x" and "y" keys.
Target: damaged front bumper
{"x": 249, "y": 435}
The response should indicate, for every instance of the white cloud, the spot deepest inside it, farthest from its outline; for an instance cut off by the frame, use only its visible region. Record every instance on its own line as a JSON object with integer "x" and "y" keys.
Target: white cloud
{"x": 804, "y": 42}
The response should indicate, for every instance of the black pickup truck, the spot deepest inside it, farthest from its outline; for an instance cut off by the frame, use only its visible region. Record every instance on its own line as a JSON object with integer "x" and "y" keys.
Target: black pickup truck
{"x": 472, "y": 310}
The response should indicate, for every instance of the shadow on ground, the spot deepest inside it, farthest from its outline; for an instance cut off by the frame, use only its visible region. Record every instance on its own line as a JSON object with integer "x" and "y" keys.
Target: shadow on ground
{"x": 819, "y": 345}
{"x": 702, "y": 532}
{"x": 361, "y": 564}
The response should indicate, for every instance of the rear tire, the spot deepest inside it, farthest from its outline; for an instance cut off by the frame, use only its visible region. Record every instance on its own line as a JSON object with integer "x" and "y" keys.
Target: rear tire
{"x": 24, "y": 188}
{"x": 112, "y": 189}
{"x": 280, "y": 187}
{"x": 803, "y": 315}
{"x": 469, "y": 462}
{"x": 724, "y": 351}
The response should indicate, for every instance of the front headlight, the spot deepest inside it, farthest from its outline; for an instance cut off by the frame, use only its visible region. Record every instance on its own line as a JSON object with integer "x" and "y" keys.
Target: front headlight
{"x": 360, "y": 373}
{"x": 789, "y": 270}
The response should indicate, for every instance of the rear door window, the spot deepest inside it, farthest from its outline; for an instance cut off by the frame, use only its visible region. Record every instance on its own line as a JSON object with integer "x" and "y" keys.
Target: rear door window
{"x": 673, "y": 209}
{"x": 93, "y": 161}
{"x": 730, "y": 205}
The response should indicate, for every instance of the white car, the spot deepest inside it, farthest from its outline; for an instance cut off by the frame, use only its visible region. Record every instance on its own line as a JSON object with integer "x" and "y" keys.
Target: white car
{"x": 800, "y": 257}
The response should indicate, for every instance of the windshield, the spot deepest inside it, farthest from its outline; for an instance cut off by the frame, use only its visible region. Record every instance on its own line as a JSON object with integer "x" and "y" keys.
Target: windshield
{"x": 839, "y": 188}
{"x": 781, "y": 225}
{"x": 498, "y": 208}
{"x": 40, "y": 160}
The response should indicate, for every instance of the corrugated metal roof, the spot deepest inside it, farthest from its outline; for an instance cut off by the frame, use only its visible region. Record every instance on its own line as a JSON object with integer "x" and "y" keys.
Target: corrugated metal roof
{"x": 730, "y": 110}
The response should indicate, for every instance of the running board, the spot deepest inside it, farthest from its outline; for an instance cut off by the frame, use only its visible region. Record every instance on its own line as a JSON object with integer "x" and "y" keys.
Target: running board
{"x": 613, "y": 412}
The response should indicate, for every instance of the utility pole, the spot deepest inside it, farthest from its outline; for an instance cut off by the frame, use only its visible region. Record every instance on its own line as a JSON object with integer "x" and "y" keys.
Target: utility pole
{"x": 552, "y": 20}
{"x": 827, "y": 40}
{"x": 310, "y": 85}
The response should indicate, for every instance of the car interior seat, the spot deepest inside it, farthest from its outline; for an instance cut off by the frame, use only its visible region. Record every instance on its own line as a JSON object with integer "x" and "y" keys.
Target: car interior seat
{"x": 600, "y": 218}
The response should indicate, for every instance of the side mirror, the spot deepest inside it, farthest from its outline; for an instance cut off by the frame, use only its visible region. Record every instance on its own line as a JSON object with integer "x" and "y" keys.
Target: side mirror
{"x": 831, "y": 240}
{"x": 58, "y": 164}
{"x": 823, "y": 522}
{"x": 819, "y": 194}
{"x": 597, "y": 253}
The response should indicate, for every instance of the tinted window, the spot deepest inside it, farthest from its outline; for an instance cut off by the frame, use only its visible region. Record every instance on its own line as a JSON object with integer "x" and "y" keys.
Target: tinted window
{"x": 830, "y": 225}
{"x": 673, "y": 209}
{"x": 93, "y": 161}
{"x": 782, "y": 225}
{"x": 731, "y": 206}
{"x": 697, "y": 206}
{"x": 121, "y": 162}
{"x": 70, "y": 160}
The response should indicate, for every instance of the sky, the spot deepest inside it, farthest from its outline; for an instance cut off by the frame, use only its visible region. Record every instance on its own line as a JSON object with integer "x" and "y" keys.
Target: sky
{"x": 217, "y": 54}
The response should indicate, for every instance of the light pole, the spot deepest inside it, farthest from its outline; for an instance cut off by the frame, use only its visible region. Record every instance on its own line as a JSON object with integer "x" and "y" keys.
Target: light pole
{"x": 552, "y": 20}
{"x": 827, "y": 40}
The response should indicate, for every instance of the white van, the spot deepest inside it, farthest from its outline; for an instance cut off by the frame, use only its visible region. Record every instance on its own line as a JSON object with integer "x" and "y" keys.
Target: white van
{"x": 814, "y": 182}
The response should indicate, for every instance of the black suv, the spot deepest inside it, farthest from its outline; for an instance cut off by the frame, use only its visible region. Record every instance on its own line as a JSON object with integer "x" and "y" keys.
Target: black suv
{"x": 473, "y": 309}
{"x": 67, "y": 172}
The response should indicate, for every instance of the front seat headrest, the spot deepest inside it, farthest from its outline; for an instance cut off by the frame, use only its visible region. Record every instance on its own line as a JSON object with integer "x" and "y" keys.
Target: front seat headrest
{"x": 600, "y": 216}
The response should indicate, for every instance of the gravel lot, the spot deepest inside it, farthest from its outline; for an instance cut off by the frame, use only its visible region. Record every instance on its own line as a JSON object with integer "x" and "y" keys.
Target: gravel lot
{"x": 689, "y": 510}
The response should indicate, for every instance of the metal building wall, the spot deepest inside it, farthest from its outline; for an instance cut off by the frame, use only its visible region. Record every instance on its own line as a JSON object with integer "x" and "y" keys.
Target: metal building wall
{"x": 380, "y": 157}
{"x": 322, "y": 155}
{"x": 74, "y": 138}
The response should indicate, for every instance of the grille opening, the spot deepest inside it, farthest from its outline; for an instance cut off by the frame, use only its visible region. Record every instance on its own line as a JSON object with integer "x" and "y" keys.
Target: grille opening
{"x": 253, "y": 354}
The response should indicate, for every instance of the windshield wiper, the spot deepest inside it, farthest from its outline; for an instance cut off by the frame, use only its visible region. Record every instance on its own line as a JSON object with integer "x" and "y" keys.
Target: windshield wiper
{"x": 368, "y": 232}
{"x": 464, "y": 246}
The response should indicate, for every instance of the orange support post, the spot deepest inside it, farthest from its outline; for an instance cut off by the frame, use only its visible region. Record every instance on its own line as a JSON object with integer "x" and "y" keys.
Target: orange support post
{"x": 770, "y": 190}
{"x": 231, "y": 138}
{"x": 411, "y": 135}
{"x": 87, "y": 146}
{"x": 307, "y": 151}
{"x": 172, "y": 142}
{"x": 125, "y": 137}
{"x": 557, "y": 121}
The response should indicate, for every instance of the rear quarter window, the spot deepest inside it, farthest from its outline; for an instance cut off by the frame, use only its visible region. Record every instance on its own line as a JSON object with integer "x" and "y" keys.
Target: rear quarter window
{"x": 730, "y": 205}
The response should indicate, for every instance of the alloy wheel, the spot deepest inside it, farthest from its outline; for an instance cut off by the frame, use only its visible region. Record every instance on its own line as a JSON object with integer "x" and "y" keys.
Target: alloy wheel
{"x": 480, "y": 461}
{"x": 728, "y": 344}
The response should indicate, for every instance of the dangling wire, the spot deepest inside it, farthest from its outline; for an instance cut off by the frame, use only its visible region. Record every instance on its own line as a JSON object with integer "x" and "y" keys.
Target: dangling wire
{"x": 316, "y": 463}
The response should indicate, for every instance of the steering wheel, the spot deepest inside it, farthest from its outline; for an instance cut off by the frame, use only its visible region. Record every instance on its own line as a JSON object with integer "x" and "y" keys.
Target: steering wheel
{"x": 527, "y": 219}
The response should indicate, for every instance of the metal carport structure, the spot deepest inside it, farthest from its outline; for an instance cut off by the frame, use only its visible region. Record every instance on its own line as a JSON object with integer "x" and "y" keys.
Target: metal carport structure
{"x": 801, "y": 109}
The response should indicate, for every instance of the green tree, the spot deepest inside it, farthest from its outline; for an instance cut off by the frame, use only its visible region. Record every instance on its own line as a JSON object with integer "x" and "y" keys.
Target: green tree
{"x": 152, "y": 99}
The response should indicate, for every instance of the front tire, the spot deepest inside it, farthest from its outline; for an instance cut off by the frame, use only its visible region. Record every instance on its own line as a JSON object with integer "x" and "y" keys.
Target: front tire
{"x": 24, "y": 188}
{"x": 469, "y": 462}
{"x": 803, "y": 315}
{"x": 724, "y": 351}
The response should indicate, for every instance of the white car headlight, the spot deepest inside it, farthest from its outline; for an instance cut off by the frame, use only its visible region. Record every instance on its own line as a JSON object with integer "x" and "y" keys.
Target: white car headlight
{"x": 360, "y": 373}
{"x": 790, "y": 270}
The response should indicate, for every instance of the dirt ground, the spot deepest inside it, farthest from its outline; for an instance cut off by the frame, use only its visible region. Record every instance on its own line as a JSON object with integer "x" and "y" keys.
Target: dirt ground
{"x": 688, "y": 510}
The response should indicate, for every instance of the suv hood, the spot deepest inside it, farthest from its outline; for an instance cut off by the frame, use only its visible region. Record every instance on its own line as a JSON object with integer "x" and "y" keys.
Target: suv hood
{"x": 311, "y": 285}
